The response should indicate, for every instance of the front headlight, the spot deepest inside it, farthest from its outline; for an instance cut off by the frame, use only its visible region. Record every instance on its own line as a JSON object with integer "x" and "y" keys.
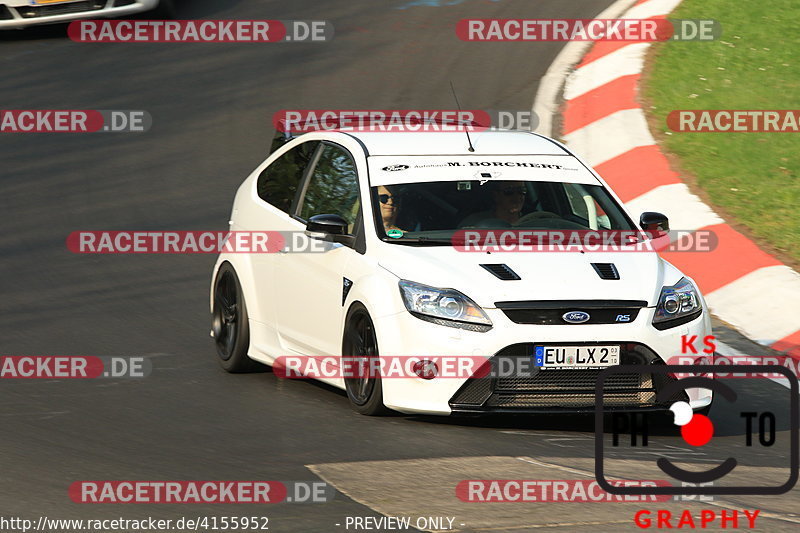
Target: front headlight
{"x": 446, "y": 307}
{"x": 678, "y": 304}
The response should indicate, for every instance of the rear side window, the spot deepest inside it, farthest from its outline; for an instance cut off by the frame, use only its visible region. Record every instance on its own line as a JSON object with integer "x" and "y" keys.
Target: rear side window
{"x": 332, "y": 187}
{"x": 278, "y": 183}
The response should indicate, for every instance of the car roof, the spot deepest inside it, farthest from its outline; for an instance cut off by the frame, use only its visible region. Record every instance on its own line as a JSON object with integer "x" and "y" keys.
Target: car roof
{"x": 496, "y": 142}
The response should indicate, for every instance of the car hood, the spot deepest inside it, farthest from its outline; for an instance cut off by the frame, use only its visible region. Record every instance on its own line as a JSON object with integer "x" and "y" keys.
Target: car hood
{"x": 544, "y": 275}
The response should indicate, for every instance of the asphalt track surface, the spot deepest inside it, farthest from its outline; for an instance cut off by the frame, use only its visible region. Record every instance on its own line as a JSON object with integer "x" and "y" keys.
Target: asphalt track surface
{"x": 212, "y": 105}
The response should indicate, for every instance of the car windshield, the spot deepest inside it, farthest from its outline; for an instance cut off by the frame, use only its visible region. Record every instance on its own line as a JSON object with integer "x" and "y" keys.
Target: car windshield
{"x": 431, "y": 212}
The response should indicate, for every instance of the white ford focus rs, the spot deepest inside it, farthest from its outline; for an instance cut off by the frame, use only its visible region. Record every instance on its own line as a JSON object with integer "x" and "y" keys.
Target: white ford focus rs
{"x": 16, "y": 14}
{"x": 392, "y": 278}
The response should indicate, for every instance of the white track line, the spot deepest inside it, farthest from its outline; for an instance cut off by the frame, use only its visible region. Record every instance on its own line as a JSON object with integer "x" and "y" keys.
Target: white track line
{"x": 546, "y": 103}
{"x": 653, "y": 8}
{"x": 764, "y": 304}
{"x": 622, "y": 62}
{"x": 611, "y": 136}
{"x": 686, "y": 211}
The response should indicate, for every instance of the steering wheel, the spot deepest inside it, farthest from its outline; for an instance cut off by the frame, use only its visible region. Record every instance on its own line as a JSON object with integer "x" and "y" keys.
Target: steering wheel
{"x": 492, "y": 223}
{"x": 536, "y": 215}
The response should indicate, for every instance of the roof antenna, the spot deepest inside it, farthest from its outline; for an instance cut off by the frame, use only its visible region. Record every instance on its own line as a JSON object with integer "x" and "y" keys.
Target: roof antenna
{"x": 466, "y": 130}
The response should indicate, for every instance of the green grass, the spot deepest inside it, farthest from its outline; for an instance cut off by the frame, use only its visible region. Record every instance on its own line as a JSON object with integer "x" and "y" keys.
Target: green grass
{"x": 755, "y": 64}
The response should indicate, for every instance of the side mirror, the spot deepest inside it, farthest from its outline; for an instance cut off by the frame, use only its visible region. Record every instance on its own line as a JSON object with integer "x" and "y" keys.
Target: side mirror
{"x": 650, "y": 221}
{"x": 330, "y": 228}
{"x": 282, "y": 136}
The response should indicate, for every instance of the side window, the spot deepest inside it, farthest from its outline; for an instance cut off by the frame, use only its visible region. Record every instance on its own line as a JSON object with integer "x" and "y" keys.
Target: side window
{"x": 585, "y": 206}
{"x": 576, "y": 201}
{"x": 333, "y": 187}
{"x": 278, "y": 183}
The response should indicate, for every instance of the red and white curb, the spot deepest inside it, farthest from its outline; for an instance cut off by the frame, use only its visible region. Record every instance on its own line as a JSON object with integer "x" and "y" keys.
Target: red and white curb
{"x": 604, "y": 124}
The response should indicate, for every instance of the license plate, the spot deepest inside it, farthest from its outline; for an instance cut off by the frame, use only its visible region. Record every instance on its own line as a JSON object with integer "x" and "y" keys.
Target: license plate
{"x": 575, "y": 357}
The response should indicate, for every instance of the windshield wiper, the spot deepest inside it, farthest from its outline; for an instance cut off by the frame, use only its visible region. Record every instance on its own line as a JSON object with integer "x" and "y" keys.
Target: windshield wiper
{"x": 432, "y": 241}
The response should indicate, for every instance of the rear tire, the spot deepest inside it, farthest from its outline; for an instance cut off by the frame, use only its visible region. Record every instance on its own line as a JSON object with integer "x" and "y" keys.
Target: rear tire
{"x": 365, "y": 393}
{"x": 229, "y": 323}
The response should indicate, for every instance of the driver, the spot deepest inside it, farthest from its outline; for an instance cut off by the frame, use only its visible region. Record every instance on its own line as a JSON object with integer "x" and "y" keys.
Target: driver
{"x": 390, "y": 206}
{"x": 509, "y": 197}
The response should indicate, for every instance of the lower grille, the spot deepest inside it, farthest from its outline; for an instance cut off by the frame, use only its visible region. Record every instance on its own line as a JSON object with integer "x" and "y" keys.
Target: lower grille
{"x": 632, "y": 399}
{"x": 562, "y": 380}
{"x": 564, "y": 389}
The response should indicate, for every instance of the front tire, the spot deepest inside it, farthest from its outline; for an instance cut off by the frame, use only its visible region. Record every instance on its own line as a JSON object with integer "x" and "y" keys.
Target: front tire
{"x": 360, "y": 342}
{"x": 229, "y": 323}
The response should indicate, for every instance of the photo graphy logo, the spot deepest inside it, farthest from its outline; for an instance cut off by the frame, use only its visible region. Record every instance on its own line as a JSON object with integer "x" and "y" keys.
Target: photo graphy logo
{"x": 696, "y": 429}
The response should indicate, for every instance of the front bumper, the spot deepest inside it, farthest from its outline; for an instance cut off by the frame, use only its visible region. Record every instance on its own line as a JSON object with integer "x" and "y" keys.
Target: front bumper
{"x": 548, "y": 392}
{"x": 571, "y": 391}
{"x": 18, "y": 14}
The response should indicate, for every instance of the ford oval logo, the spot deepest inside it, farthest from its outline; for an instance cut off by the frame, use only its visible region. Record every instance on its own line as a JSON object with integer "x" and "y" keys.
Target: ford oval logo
{"x": 395, "y": 168}
{"x": 576, "y": 317}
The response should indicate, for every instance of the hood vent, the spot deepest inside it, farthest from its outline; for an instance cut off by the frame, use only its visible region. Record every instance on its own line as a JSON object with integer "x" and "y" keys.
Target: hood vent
{"x": 606, "y": 270}
{"x": 502, "y": 271}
